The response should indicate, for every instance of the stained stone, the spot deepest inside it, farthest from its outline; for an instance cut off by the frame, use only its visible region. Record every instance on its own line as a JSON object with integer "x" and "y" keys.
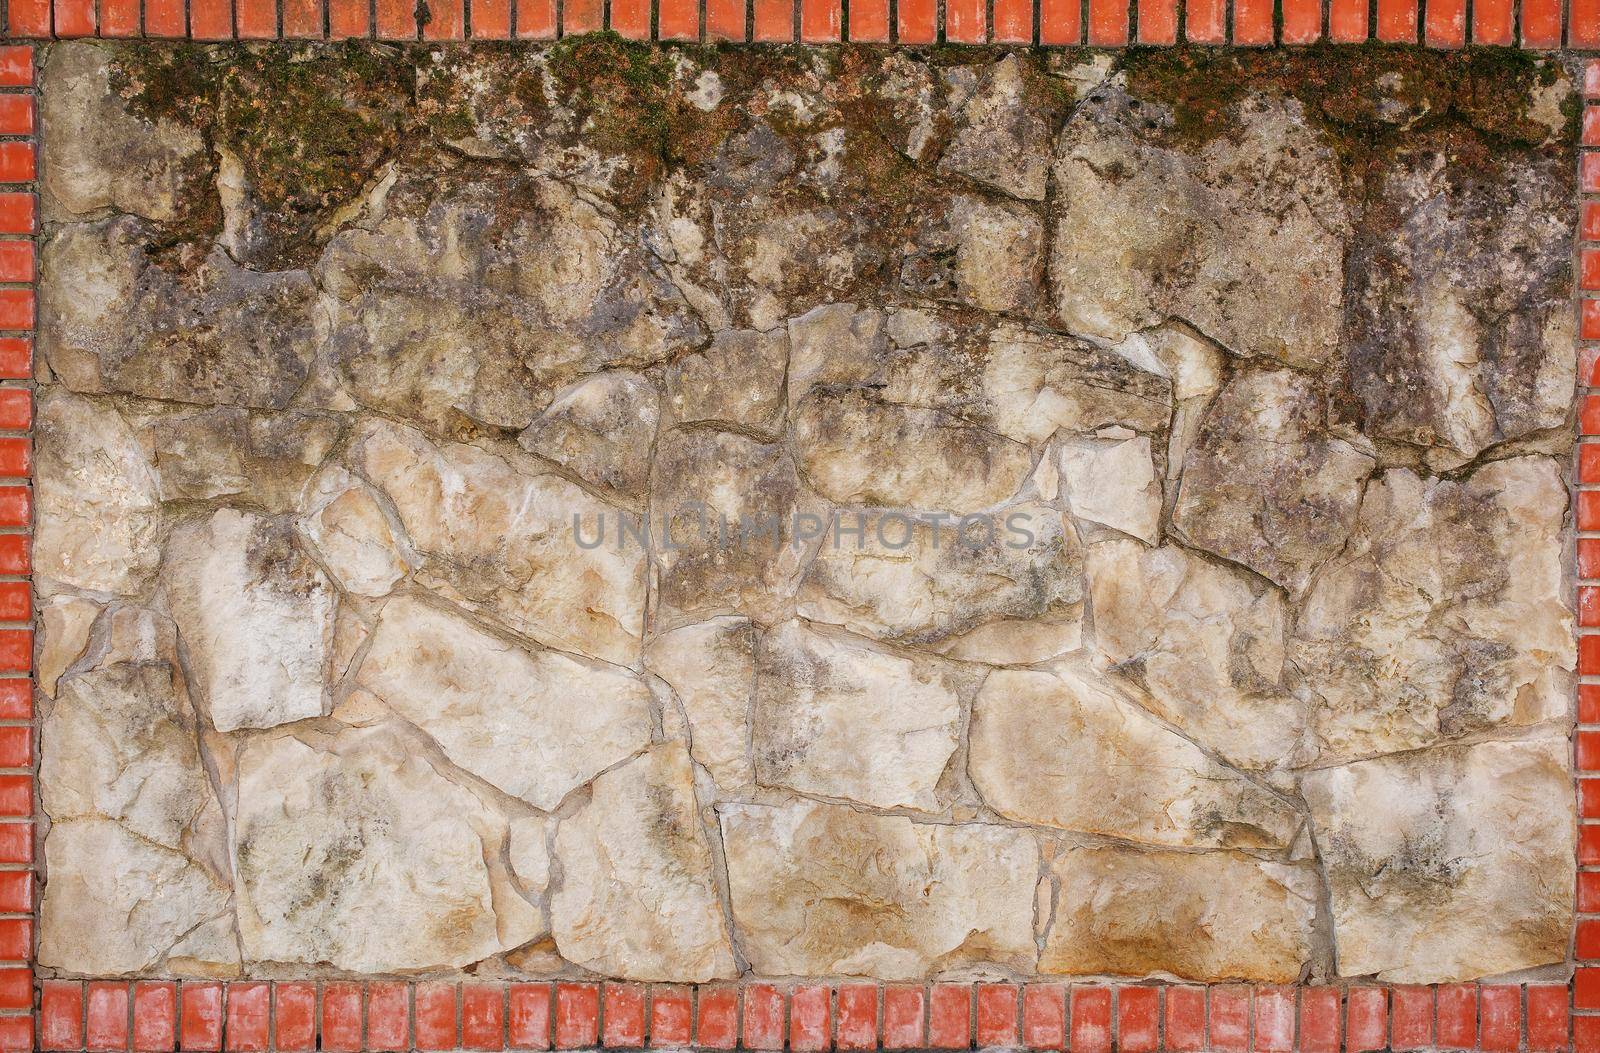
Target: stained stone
{"x": 601, "y": 429}
{"x": 639, "y": 900}
{"x": 225, "y": 451}
{"x": 835, "y": 717}
{"x": 1113, "y": 482}
{"x": 499, "y": 711}
{"x": 1037, "y": 382}
{"x": 351, "y": 535}
{"x": 711, "y": 669}
{"x": 1066, "y": 748}
{"x": 976, "y": 251}
{"x": 256, "y": 617}
{"x": 1205, "y": 916}
{"x": 64, "y": 624}
{"x": 737, "y": 380}
{"x": 1421, "y": 847}
{"x": 1003, "y": 133}
{"x": 827, "y": 890}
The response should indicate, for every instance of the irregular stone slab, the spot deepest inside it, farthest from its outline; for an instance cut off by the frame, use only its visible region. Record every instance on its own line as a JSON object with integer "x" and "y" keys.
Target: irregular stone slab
{"x": 117, "y": 903}
{"x": 1065, "y": 748}
{"x": 1113, "y": 482}
{"x": 973, "y": 250}
{"x": 356, "y": 853}
{"x": 1437, "y": 867}
{"x": 639, "y": 900}
{"x": 351, "y": 535}
{"x": 855, "y": 450}
{"x": 601, "y": 429}
{"x": 711, "y": 667}
{"x": 1446, "y": 615}
{"x": 256, "y": 616}
{"x": 836, "y": 345}
{"x": 1265, "y": 485}
{"x": 1003, "y": 134}
{"x": 112, "y": 319}
{"x": 825, "y": 890}
{"x": 98, "y": 518}
{"x": 1241, "y": 238}
{"x": 1205, "y": 641}
{"x": 63, "y": 636}
{"x": 101, "y": 156}
{"x": 1036, "y": 382}
{"x": 1015, "y": 596}
{"x": 226, "y": 451}
{"x": 835, "y": 717}
{"x": 1205, "y": 916}
{"x": 499, "y": 537}
{"x": 1460, "y": 332}
{"x": 503, "y": 713}
{"x": 737, "y": 380}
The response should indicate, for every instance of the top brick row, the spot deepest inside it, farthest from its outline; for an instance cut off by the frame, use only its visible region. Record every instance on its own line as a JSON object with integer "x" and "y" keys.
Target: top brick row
{"x": 1531, "y": 24}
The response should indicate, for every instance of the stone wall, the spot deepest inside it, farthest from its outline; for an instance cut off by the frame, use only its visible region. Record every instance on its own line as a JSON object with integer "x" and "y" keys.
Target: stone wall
{"x": 1260, "y": 367}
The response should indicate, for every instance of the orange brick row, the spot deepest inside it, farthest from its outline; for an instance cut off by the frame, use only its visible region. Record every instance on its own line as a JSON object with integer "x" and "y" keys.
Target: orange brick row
{"x": 1533, "y": 24}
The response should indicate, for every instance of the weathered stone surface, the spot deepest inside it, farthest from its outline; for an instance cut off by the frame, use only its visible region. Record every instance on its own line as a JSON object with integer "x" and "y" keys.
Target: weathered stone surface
{"x": 98, "y": 516}
{"x": 1015, "y": 596}
{"x": 1113, "y": 482}
{"x": 1205, "y": 641}
{"x": 1241, "y": 238}
{"x": 638, "y": 899}
{"x": 1265, "y": 485}
{"x": 711, "y": 668}
{"x": 977, "y": 251}
{"x": 355, "y": 852}
{"x": 822, "y": 890}
{"x": 835, "y": 717}
{"x": 265, "y": 458}
{"x": 64, "y": 623}
{"x": 500, "y": 537}
{"x": 1421, "y": 848}
{"x": 1003, "y": 133}
{"x": 111, "y": 318}
{"x": 601, "y": 429}
{"x": 103, "y": 157}
{"x": 737, "y": 380}
{"x": 1066, "y": 748}
{"x": 503, "y": 713}
{"x": 1446, "y": 615}
{"x": 1198, "y": 916}
{"x": 256, "y": 618}
{"x": 352, "y": 536}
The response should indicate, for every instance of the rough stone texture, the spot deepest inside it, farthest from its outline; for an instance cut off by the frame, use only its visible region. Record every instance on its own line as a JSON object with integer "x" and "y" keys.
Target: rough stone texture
{"x": 676, "y": 514}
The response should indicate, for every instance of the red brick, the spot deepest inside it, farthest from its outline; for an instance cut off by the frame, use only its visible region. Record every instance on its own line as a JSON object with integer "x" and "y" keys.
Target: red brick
{"x": 155, "y": 1015}
{"x": 1411, "y": 1012}
{"x": 1108, "y": 23}
{"x": 623, "y": 1016}
{"x": 717, "y": 1023}
{"x": 820, "y": 21}
{"x": 1588, "y": 844}
{"x": 491, "y": 19}
{"x": 483, "y": 1016}
{"x": 773, "y": 21}
{"x": 1138, "y": 1019}
{"x": 1090, "y": 1020}
{"x": 248, "y": 1013}
{"x": 447, "y": 20}
{"x": 671, "y": 1016}
{"x": 29, "y": 18}
{"x": 965, "y": 21}
{"x": 74, "y": 18}
{"x": 16, "y": 308}
{"x": 528, "y": 1016}
{"x": 809, "y": 1023}
{"x": 1589, "y": 893}
{"x": 725, "y": 20}
{"x": 397, "y": 19}
{"x": 349, "y": 19}
{"x": 1586, "y": 988}
{"x": 1186, "y": 1019}
{"x": 16, "y": 843}
{"x": 17, "y": 162}
{"x": 15, "y": 557}
{"x": 61, "y": 1015}
{"x": 294, "y": 1011}
{"x": 678, "y": 20}
{"x": 1589, "y": 463}
{"x": 15, "y": 743}
{"x": 16, "y": 891}
{"x": 1205, "y": 21}
{"x": 119, "y": 18}
{"x": 16, "y": 257}
{"x": 1541, "y": 23}
{"x": 858, "y": 1017}
{"x": 1589, "y": 567}
{"x": 1319, "y": 1020}
{"x": 1302, "y": 21}
{"x": 341, "y": 1017}
{"x": 1500, "y": 1012}
{"x": 903, "y": 1018}
{"x": 1274, "y": 1020}
{"x": 1588, "y": 745}
{"x": 996, "y": 1023}
{"x": 1445, "y": 24}
{"x": 1252, "y": 22}
{"x": 1547, "y": 1017}
{"x": 16, "y": 115}
{"x": 435, "y": 1019}
{"x": 1013, "y": 21}
{"x": 16, "y": 798}
{"x": 1060, "y": 22}
{"x": 1458, "y": 1016}
{"x": 1044, "y": 1016}
{"x": 200, "y": 1016}
{"x": 1591, "y": 80}
{"x": 16, "y": 357}
{"x": 16, "y": 939}
{"x": 630, "y": 19}
{"x": 1158, "y": 22}
{"x": 213, "y": 19}
{"x": 165, "y": 18}
{"x": 916, "y": 21}
{"x": 950, "y": 1016}
{"x": 536, "y": 19}
{"x": 16, "y": 648}
{"x": 1588, "y": 800}
{"x": 1586, "y": 1034}
{"x": 1230, "y": 1019}
{"x": 16, "y": 409}
{"x": 577, "y": 1015}
{"x": 16, "y": 605}
{"x": 107, "y": 1028}
{"x": 388, "y": 1016}
{"x": 16, "y": 1034}
{"x": 302, "y": 19}
{"x": 16, "y": 65}
{"x": 763, "y": 1017}
{"x": 1492, "y": 22}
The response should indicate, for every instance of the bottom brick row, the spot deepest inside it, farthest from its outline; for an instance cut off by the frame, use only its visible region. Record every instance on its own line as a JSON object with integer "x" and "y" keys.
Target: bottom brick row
{"x": 1084, "y": 1018}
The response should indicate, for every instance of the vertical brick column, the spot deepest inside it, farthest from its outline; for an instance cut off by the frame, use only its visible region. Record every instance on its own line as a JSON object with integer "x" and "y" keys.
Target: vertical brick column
{"x": 1586, "y": 479}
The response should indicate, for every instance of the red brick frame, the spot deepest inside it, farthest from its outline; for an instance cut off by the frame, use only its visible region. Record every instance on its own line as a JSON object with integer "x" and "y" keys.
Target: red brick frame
{"x": 349, "y": 1016}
